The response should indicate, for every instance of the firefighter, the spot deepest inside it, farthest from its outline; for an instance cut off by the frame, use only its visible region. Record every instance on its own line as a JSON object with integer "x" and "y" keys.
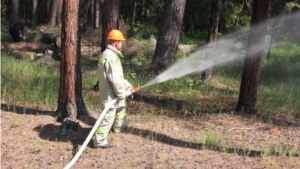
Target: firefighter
{"x": 111, "y": 85}
{"x": 16, "y": 29}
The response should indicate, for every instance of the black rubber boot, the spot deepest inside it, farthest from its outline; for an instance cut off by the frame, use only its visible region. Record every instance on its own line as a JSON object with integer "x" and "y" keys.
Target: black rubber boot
{"x": 108, "y": 145}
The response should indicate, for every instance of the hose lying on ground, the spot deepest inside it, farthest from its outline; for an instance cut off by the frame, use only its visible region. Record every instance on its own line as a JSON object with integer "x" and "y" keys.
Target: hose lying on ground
{"x": 128, "y": 93}
{"x": 91, "y": 134}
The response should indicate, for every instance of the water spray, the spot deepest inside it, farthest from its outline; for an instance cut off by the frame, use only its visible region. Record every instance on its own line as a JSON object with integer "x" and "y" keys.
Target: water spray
{"x": 128, "y": 93}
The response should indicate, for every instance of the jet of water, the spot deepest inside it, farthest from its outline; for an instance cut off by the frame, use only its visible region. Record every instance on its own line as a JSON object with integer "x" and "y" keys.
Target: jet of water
{"x": 228, "y": 49}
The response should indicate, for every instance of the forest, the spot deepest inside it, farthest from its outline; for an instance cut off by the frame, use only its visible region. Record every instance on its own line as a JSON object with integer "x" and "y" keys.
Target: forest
{"x": 219, "y": 83}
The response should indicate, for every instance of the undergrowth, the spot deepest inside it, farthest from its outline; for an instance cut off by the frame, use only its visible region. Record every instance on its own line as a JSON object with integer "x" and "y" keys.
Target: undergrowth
{"x": 26, "y": 82}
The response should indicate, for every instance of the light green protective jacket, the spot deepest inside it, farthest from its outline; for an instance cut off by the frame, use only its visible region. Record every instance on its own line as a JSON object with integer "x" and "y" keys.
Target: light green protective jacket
{"x": 111, "y": 78}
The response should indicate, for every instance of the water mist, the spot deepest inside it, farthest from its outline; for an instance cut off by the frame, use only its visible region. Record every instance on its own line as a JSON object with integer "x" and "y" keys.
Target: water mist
{"x": 230, "y": 48}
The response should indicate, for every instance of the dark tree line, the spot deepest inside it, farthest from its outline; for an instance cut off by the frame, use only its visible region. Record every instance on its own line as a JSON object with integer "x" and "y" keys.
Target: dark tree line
{"x": 234, "y": 13}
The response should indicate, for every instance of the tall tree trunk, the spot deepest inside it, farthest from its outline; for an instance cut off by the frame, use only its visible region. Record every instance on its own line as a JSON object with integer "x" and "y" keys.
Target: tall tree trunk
{"x": 70, "y": 101}
{"x": 59, "y": 11}
{"x": 133, "y": 15}
{"x": 212, "y": 36}
{"x": 34, "y": 13}
{"x": 92, "y": 13}
{"x": 110, "y": 19}
{"x": 97, "y": 14}
{"x": 254, "y": 52}
{"x": 53, "y": 13}
{"x": 143, "y": 11}
{"x": 25, "y": 9}
{"x": 43, "y": 11}
{"x": 169, "y": 33}
{"x": 14, "y": 13}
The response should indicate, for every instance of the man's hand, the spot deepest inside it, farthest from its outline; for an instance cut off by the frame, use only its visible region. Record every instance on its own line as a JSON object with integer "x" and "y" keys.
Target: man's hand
{"x": 20, "y": 36}
{"x": 130, "y": 88}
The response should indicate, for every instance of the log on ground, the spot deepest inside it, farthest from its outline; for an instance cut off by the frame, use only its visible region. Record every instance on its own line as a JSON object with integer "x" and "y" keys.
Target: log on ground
{"x": 24, "y": 54}
{"x": 90, "y": 50}
{"x": 33, "y": 47}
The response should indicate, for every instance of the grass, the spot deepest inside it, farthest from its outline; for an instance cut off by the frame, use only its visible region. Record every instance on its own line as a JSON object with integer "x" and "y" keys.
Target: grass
{"x": 27, "y": 83}
{"x": 280, "y": 149}
{"x": 16, "y": 122}
{"x": 24, "y": 83}
{"x": 213, "y": 141}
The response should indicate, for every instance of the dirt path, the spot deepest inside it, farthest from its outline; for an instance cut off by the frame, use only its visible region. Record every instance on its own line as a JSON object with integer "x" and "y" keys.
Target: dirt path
{"x": 32, "y": 139}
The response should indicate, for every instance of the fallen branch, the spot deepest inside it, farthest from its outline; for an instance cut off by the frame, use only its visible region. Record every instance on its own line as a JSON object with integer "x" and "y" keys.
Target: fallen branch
{"x": 247, "y": 128}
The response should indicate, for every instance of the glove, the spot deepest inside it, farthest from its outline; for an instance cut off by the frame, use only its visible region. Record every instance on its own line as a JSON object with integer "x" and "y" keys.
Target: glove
{"x": 20, "y": 35}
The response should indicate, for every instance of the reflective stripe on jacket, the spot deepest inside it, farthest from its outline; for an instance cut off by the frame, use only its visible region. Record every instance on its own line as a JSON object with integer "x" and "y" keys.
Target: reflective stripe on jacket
{"x": 111, "y": 78}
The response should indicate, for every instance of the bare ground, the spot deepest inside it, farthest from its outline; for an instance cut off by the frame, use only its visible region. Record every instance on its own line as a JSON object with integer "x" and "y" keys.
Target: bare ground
{"x": 31, "y": 138}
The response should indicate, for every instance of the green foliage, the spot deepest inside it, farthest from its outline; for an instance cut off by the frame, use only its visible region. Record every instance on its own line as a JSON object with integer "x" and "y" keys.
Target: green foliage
{"x": 142, "y": 31}
{"x": 198, "y": 38}
{"x": 291, "y": 5}
{"x": 56, "y": 30}
{"x": 280, "y": 81}
{"x": 137, "y": 27}
{"x": 195, "y": 17}
{"x": 283, "y": 64}
{"x": 5, "y": 37}
{"x": 232, "y": 18}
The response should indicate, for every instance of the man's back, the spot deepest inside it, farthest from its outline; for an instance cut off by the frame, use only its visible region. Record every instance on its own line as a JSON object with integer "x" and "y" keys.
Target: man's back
{"x": 18, "y": 25}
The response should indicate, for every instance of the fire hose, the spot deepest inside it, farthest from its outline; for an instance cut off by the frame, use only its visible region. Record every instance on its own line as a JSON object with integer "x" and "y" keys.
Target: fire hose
{"x": 128, "y": 93}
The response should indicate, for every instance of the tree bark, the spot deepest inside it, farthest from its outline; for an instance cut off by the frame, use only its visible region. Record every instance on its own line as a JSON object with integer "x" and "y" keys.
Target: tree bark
{"x": 97, "y": 14}
{"x": 70, "y": 101}
{"x": 110, "y": 20}
{"x": 254, "y": 53}
{"x": 34, "y": 13}
{"x": 143, "y": 11}
{"x": 92, "y": 13}
{"x": 169, "y": 33}
{"x": 42, "y": 12}
{"x": 59, "y": 11}
{"x": 53, "y": 13}
{"x": 14, "y": 13}
{"x": 133, "y": 15}
{"x": 212, "y": 37}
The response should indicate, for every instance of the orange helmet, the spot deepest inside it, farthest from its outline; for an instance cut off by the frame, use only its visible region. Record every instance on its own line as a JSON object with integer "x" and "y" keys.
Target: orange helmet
{"x": 115, "y": 35}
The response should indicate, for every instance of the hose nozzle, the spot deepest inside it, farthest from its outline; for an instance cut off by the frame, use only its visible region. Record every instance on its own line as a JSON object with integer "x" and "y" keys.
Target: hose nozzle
{"x": 130, "y": 92}
{"x": 137, "y": 89}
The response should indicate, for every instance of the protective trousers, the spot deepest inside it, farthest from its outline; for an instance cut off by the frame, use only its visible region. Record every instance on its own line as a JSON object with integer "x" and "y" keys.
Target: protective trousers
{"x": 114, "y": 119}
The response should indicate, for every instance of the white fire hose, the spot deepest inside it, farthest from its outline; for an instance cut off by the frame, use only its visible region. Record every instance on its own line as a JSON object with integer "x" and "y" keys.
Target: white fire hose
{"x": 130, "y": 92}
